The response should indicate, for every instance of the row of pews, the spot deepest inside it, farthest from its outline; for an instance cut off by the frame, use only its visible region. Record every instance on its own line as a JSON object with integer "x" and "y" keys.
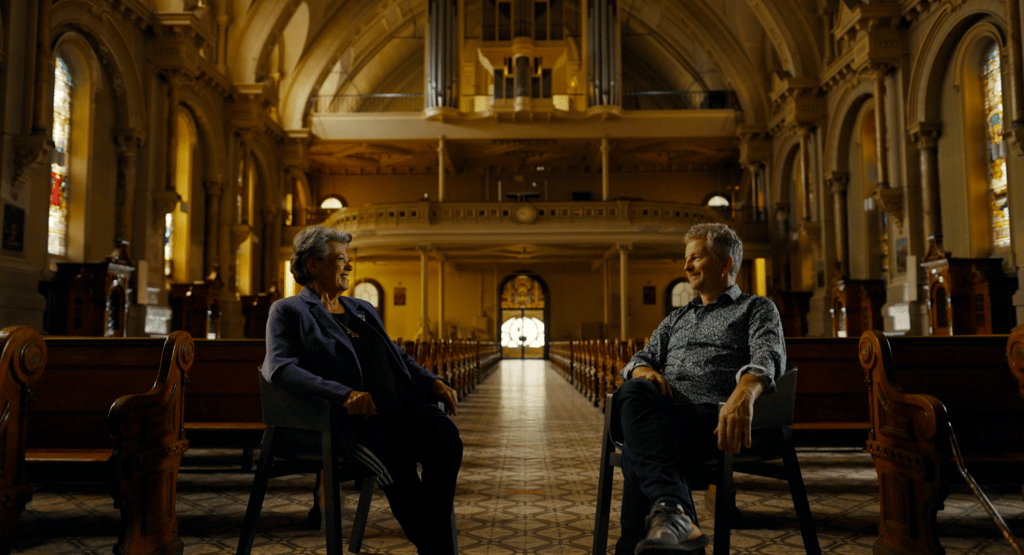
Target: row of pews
{"x": 904, "y": 399}
{"x": 124, "y": 411}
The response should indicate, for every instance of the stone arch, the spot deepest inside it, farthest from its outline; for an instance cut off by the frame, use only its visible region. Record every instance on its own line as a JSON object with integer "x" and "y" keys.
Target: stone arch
{"x": 841, "y": 123}
{"x": 211, "y": 131}
{"x": 714, "y": 37}
{"x": 346, "y": 26}
{"x": 924, "y": 92}
{"x": 789, "y": 34}
{"x": 115, "y": 53}
{"x": 256, "y": 33}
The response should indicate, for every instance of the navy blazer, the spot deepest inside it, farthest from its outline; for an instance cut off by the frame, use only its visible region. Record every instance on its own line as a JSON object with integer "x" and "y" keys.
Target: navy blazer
{"x": 301, "y": 333}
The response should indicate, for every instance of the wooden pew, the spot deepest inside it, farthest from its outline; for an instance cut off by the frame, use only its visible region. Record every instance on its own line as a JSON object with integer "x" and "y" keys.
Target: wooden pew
{"x": 111, "y": 410}
{"x": 222, "y": 406}
{"x": 22, "y": 360}
{"x": 1015, "y": 357}
{"x": 831, "y": 392}
{"x": 919, "y": 387}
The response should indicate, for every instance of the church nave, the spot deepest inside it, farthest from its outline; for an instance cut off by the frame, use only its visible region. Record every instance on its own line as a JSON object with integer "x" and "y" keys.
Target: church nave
{"x": 527, "y": 486}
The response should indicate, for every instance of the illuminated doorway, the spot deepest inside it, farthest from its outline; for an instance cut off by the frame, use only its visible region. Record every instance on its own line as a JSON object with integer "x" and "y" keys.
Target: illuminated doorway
{"x": 524, "y": 329}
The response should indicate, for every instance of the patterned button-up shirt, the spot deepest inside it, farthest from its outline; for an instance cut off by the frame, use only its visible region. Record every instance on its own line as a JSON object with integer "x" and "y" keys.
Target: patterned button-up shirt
{"x": 704, "y": 349}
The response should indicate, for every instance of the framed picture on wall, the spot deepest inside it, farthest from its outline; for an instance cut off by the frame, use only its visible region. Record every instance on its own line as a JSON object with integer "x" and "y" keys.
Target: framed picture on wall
{"x": 650, "y": 296}
{"x": 399, "y": 296}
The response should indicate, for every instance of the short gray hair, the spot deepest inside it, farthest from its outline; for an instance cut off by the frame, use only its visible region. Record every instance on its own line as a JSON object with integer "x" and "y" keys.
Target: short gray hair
{"x": 722, "y": 241}
{"x": 313, "y": 242}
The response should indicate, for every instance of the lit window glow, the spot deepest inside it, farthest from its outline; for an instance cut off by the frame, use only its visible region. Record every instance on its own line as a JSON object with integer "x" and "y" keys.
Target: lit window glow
{"x": 1000, "y": 202}
{"x": 522, "y": 332}
{"x": 57, "y": 236}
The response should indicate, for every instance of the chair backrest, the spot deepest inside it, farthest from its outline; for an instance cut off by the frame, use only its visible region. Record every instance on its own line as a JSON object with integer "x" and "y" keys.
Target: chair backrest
{"x": 775, "y": 409}
{"x": 771, "y": 410}
{"x": 285, "y": 409}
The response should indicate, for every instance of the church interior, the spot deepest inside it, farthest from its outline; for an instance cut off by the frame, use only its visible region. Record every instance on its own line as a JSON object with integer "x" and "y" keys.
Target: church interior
{"x": 518, "y": 177}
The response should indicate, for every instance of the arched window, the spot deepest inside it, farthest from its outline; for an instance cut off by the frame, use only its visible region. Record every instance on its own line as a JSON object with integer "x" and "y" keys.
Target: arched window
{"x": 677, "y": 294}
{"x": 332, "y": 203}
{"x": 718, "y": 201}
{"x": 371, "y": 292}
{"x": 992, "y": 93}
{"x": 177, "y": 223}
{"x": 57, "y": 237}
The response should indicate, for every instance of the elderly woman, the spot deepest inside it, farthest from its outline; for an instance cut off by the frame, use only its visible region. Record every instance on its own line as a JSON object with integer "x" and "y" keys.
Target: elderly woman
{"x": 321, "y": 343}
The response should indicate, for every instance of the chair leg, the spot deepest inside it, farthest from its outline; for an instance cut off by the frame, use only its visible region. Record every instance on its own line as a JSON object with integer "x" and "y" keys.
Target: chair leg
{"x": 314, "y": 520}
{"x": 455, "y": 534}
{"x": 332, "y": 495}
{"x": 604, "y": 493}
{"x": 723, "y": 504}
{"x": 355, "y": 542}
{"x": 259, "y": 491}
{"x": 799, "y": 492}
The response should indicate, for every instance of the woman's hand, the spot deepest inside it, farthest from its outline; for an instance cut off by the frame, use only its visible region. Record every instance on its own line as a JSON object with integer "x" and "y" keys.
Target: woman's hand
{"x": 447, "y": 396}
{"x": 359, "y": 403}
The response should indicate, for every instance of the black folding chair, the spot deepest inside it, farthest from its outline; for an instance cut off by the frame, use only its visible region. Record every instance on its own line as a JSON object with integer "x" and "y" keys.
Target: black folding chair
{"x": 771, "y": 440}
{"x": 304, "y": 435}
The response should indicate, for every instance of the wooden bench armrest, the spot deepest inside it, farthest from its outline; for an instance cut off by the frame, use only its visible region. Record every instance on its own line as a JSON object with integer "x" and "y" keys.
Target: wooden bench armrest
{"x": 22, "y": 361}
{"x": 1015, "y": 355}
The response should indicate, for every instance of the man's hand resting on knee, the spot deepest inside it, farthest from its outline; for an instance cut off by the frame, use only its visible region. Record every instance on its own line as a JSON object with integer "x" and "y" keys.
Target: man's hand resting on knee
{"x": 649, "y": 374}
{"x": 736, "y": 415}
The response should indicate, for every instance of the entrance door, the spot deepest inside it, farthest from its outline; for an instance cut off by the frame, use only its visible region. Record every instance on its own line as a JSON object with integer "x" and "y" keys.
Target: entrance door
{"x": 522, "y": 333}
{"x": 523, "y": 318}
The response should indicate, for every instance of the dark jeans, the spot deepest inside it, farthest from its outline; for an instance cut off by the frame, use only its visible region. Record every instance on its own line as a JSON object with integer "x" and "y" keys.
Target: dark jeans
{"x": 662, "y": 436}
{"x": 421, "y": 504}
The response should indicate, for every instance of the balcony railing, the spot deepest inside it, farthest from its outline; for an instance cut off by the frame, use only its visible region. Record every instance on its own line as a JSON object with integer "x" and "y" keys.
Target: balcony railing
{"x": 680, "y": 100}
{"x": 367, "y": 103}
{"x": 635, "y": 100}
{"x": 662, "y": 221}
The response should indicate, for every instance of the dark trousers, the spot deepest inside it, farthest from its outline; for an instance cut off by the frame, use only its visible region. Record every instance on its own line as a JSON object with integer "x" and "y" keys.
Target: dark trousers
{"x": 422, "y": 504}
{"x": 662, "y": 438}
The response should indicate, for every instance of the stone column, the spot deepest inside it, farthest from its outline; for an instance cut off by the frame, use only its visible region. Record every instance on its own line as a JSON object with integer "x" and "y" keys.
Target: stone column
{"x": 805, "y": 175}
{"x": 624, "y": 291}
{"x": 440, "y": 300}
{"x": 926, "y": 138}
{"x": 128, "y": 142}
{"x": 214, "y": 186}
{"x": 606, "y": 186}
{"x": 424, "y": 294}
{"x": 838, "y": 182}
{"x": 268, "y": 266}
{"x": 441, "y": 153}
{"x": 607, "y": 270}
{"x": 878, "y": 80}
{"x": 43, "y": 106}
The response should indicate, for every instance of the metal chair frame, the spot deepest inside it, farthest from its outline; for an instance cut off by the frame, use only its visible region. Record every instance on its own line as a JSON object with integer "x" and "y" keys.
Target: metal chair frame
{"x": 772, "y": 439}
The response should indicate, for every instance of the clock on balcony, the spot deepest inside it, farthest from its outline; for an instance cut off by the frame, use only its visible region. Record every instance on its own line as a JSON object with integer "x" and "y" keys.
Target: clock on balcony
{"x": 524, "y": 213}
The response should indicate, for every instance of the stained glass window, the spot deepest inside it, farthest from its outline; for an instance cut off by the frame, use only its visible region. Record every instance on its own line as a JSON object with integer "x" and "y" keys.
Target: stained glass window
{"x": 369, "y": 293}
{"x": 57, "y": 240}
{"x": 993, "y": 90}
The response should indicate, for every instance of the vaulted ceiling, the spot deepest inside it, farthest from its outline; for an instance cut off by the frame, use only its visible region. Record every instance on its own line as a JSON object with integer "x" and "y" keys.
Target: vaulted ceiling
{"x": 312, "y": 47}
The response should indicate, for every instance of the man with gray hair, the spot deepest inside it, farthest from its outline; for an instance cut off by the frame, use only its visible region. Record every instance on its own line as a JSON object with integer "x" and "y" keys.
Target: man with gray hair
{"x": 723, "y": 346}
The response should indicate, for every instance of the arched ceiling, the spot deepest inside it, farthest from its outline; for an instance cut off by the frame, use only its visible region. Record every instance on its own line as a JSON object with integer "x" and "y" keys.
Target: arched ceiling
{"x": 370, "y": 46}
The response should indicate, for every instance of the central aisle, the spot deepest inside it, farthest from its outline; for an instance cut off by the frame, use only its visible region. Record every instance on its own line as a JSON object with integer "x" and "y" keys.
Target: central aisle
{"x": 529, "y": 474}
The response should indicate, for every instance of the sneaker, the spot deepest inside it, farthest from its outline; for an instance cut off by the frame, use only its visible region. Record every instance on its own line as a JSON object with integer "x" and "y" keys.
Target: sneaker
{"x": 670, "y": 532}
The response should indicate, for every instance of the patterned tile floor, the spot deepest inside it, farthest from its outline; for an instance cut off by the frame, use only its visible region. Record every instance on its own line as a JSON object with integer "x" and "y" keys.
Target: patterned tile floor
{"x": 527, "y": 487}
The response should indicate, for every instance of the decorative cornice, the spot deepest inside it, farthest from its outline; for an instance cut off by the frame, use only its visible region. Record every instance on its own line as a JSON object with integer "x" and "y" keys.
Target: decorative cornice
{"x": 925, "y": 134}
{"x": 837, "y": 181}
{"x": 891, "y": 200}
{"x": 796, "y": 101}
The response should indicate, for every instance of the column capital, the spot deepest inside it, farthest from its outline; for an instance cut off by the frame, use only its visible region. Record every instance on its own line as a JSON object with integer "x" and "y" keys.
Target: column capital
{"x": 925, "y": 134}
{"x": 837, "y": 181}
{"x": 213, "y": 186}
{"x": 129, "y": 139}
{"x": 624, "y": 247}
